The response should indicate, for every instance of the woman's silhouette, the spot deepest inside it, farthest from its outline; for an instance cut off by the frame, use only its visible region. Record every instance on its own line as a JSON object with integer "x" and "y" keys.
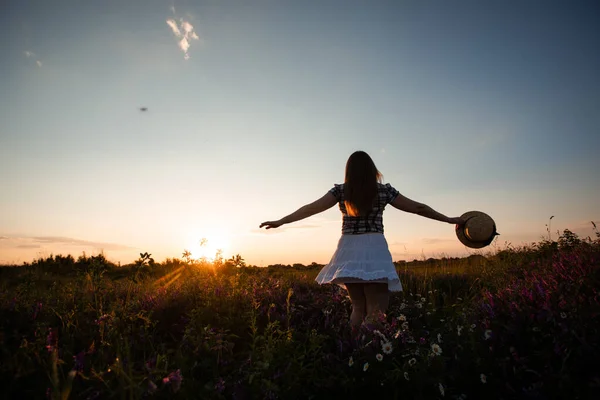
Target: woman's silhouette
{"x": 362, "y": 261}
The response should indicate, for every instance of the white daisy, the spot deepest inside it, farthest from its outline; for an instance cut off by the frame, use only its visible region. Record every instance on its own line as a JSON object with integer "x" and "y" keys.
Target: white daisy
{"x": 366, "y": 366}
{"x": 436, "y": 349}
{"x": 439, "y": 337}
{"x": 412, "y": 361}
{"x": 487, "y": 334}
{"x": 350, "y": 362}
{"x": 483, "y": 378}
{"x": 419, "y": 305}
{"x": 387, "y": 348}
{"x": 379, "y": 357}
{"x": 401, "y": 317}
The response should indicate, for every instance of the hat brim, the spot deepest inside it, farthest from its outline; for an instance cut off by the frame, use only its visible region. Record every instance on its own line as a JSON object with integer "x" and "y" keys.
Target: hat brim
{"x": 460, "y": 232}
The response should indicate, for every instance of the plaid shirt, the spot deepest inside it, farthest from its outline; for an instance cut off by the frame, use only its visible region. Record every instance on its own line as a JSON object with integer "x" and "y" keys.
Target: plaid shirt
{"x": 372, "y": 222}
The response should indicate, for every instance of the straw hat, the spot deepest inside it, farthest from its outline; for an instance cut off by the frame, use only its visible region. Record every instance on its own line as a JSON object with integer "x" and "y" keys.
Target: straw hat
{"x": 478, "y": 231}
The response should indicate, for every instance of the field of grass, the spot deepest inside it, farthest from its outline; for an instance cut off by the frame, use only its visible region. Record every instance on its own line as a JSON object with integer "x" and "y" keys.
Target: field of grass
{"x": 517, "y": 324}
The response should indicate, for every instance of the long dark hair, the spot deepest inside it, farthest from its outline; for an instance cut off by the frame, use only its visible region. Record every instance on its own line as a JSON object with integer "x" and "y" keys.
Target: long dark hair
{"x": 360, "y": 184}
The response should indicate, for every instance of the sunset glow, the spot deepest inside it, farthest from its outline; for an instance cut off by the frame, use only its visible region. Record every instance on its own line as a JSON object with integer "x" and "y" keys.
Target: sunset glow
{"x": 207, "y": 244}
{"x": 150, "y": 127}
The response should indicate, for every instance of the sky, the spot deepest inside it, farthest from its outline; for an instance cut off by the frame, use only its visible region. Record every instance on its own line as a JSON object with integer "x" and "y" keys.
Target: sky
{"x": 253, "y": 108}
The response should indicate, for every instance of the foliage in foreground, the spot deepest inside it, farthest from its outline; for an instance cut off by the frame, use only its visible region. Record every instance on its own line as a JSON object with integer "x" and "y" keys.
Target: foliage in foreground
{"x": 522, "y": 324}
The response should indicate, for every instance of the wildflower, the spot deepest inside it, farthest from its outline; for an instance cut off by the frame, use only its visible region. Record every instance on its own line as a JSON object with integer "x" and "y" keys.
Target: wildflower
{"x": 483, "y": 378}
{"x": 412, "y": 361}
{"x": 174, "y": 378}
{"x": 442, "y": 319}
{"x": 439, "y": 337}
{"x": 423, "y": 299}
{"x": 473, "y": 326}
{"x": 441, "y": 389}
{"x": 459, "y": 298}
{"x": 419, "y": 305}
{"x": 422, "y": 340}
{"x": 365, "y": 367}
{"x": 79, "y": 358}
{"x": 563, "y": 315}
{"x": 404, "y": 326}
{"x": 459, "y": 329}
{"x": 430, "y": 292}
{"x": 487, "y": 334}
{"x": 396, "y": 335}
{"x": 406, "y": 376}
{"x": 428, "y": 313}
{"x": 387, "y": 348}
{"x": 402, "y": 306}
{"x": 379, "y": 357}
{"x": 350, "y": 362}
{"x": 51, "y": 340}
{"x": 402, "y": 317}
{"x": 417, "y": 352}
{"x": 436, "y": 349}
{"x": 220, "y": 385}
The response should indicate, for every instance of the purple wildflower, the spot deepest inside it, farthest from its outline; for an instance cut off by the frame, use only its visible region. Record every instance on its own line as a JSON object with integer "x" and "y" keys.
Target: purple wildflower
{"x": 51, "y": 340}
{"x": 220, "y": 385}
{"x": 79, "y": 359}
{"x": 174, "y": 379}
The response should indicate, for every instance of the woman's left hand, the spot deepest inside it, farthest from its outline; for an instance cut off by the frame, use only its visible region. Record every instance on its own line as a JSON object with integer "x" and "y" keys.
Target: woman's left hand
{"x": 271, "y": 224}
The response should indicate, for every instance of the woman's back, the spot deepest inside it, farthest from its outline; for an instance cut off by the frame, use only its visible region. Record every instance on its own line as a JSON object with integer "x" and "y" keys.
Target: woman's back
{"x": 371, "y": 222}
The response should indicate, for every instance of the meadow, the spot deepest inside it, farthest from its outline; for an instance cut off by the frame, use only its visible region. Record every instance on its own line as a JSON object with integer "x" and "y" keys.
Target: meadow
{"x": 517, "y": 323}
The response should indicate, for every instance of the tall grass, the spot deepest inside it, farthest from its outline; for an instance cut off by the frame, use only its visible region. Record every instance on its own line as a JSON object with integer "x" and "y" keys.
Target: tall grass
{"x": 519, "y": 323}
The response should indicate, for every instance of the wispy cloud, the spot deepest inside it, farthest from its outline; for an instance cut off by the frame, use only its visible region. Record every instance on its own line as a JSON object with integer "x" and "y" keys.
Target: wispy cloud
{"x": 173, "y": 25}
{"x": 184, "y": 31}
{"x": 436, "y": 240}
{"x": 29, "y": 246}
{"x": 32, "y": 55}
{"x": 3, "y": 237}
{"x": 78, "y": 242}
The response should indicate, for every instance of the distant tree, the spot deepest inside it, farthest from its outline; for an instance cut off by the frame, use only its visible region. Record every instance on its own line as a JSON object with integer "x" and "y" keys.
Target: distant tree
{"x": 187, "y": 256}
{"x": 237, "y": 261}
{"x": 568, "y": 240}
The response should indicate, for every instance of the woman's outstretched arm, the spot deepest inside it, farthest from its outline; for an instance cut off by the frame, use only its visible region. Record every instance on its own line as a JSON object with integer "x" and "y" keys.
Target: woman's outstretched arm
{"x": 411, "y": 206}
{"x": 318, "y": 206}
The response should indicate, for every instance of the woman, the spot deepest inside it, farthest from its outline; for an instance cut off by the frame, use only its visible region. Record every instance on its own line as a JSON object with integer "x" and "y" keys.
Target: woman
{"x": 362, "y": 261}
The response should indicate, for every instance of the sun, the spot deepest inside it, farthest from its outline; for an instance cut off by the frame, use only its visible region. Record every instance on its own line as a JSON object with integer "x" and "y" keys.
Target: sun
{"x": 206, "y": 244}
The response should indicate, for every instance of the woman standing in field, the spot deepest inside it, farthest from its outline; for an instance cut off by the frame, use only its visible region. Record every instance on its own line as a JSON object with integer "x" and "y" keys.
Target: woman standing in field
{"x": 362, "y": 261}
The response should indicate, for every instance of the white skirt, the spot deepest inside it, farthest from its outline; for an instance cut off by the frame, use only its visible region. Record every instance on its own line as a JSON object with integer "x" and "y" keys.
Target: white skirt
{"x": 363, "y": 258}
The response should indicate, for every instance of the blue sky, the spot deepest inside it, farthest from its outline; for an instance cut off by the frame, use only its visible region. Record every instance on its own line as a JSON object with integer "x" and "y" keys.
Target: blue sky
{"x": 462, "y": 105}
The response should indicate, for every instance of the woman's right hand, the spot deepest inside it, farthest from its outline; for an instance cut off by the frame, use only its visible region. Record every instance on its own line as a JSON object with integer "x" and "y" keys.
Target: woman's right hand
{"x": 271, "y": 224}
